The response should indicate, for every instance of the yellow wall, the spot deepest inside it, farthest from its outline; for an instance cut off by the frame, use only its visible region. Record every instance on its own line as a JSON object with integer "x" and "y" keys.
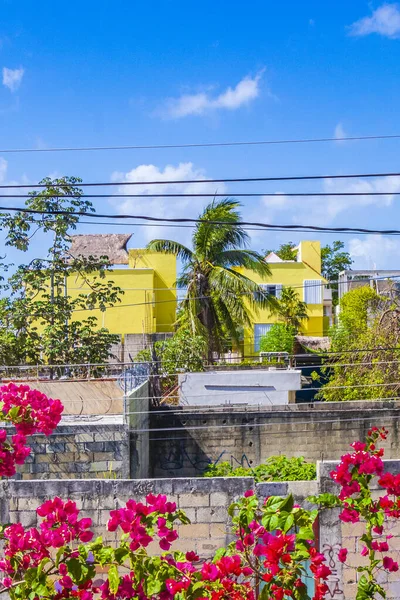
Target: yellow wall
{"x": 145, "y": 281}
{"x": 292, "y": 274}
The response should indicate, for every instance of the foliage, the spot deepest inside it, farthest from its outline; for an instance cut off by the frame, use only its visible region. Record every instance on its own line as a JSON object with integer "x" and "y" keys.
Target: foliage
{"x": 280, "y": 338}
{"x": 366, "y": 360}
{"x": 285, "y": 252}
{"x": 38, "y": 321}
{"x": 290, "y": 309}
{"x": 333, "y": 261}
{"x": 182, "y": 352}
{"x": 219, "y": 296}
{"x": 275, "y": 468}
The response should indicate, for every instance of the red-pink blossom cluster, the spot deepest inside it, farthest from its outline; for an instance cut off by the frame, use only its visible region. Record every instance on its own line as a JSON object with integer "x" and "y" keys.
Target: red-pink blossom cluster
{"x": 30, "y": 412}
{"x": 354, "y": 474}
{"x": 36, "y": 412}
{"x": 60, "y": 526}
{"x": 134, "y": 520}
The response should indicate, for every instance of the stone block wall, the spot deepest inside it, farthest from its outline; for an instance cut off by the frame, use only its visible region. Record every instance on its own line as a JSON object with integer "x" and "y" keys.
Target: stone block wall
{"x": 79, "y": 451}
{"x": 205, "y": 502}
{"x": 184, "y": 441}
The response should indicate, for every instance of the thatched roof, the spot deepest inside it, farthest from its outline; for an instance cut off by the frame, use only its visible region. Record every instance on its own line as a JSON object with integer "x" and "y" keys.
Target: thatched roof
{"x": 112, "y": 245}
{"x": 313, "y": 343}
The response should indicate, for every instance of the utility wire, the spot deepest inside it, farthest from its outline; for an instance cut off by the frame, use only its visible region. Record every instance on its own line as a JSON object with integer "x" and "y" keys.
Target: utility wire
{"x": 178, "y": 300}
{"x": 186, "y": 181}
{"x": 244, "y": 425}
{"x": 199, "y": 145}
{"x": 213, "y": 195}
{"x": 125, "y": 224}
{"x": 266, "y": 226}
{"x": 253, "y": 411}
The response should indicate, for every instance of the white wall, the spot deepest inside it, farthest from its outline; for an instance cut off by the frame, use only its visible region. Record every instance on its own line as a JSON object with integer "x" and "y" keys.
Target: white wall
{"x": 264, "y": 387}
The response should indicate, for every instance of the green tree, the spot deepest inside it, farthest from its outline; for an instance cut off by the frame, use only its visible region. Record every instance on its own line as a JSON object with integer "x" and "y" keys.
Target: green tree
{"x": 40, "y": 316}
{"x": 333, "y": 261}
{"x": 280, "y": 338}
{"x": 285, "y": 252}
{"x": 365, "y": 364}
{"x": 290, "y": 309}
{"x": 219, "y": 296}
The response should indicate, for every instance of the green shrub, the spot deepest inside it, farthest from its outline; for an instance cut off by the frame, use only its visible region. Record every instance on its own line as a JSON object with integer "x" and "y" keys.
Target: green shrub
{"x": 280, "y": 338}
{"x": 275, "y": 468}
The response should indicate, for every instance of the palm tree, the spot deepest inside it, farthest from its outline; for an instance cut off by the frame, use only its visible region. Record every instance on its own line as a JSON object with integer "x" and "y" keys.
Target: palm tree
{"x": 290, "y": 309}
{"x": 219, "y": 297}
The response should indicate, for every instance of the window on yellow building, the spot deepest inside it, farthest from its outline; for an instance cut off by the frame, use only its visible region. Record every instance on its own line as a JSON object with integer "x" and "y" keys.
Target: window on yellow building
{"x": 313, "y": 291}
{"x": 271, "y": 289}
{"x": 260, "y": 329}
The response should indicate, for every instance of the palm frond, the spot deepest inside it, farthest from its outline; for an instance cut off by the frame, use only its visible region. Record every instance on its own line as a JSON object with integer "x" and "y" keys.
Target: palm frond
{"x": 248, "y": 259}
{"x": 170, "y": 247}
{"x": 210, "y": 239}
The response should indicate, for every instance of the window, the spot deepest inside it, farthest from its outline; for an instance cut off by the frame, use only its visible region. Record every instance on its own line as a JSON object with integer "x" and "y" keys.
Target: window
{"x": 313, "y": 291}
{"x": 260, "y": 329}
{"x": 271, "y": 289}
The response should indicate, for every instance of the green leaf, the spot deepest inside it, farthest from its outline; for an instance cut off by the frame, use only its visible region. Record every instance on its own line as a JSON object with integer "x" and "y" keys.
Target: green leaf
{"x": 274, "y": 522}
{"x": 121, "y": 554}
{"x": 59, "y": 554}
{"x": 288, "y": 523}
{"x": 41, "y": 566}
{"x": 288, "y": 503}
{"x": 305, "y": 533}
{"x": 113, "y": 579}
{"x": 153, "y": 586}
{"x": 75, "y": 569}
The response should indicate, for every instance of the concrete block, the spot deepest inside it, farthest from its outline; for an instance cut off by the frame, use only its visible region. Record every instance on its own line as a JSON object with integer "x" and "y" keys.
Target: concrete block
{"x": 195, "y": 531}
{"x": 99, "y": 466}
{"x": 84, "y": 437}
{"x": 193, "y": 500}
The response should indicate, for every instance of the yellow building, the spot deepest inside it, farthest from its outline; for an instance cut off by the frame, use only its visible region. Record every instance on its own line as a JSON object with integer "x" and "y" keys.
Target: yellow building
{"x": 304, "y": 275}
{"x": 147, "y": 279}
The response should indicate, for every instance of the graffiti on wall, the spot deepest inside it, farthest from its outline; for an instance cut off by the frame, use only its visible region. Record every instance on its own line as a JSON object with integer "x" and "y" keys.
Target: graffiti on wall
{"x": 334, "y": 580}
{"x": 177, "y": 456}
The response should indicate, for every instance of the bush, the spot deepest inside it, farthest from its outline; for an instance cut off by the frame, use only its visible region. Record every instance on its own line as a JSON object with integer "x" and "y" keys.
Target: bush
{"x": 280, "y": 338}
{"x": 275, "y": 468}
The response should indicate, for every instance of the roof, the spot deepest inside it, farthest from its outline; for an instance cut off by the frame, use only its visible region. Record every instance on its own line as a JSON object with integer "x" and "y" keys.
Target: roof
{"x": 272, "y": 257}
{"x": 314, "y": 343}
{"x": 112, "y": 245}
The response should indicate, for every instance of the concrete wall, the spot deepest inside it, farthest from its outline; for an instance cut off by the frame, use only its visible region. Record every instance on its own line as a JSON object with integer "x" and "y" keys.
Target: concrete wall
{"x": 246, "y": 387}
{"x": 184, "y": 441}
{"x": 79, "y": 449}
{"x": 205, "y": 501}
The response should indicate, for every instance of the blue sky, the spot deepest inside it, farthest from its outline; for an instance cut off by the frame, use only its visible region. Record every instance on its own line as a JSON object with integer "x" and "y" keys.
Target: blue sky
{"x": 121, "y": 73}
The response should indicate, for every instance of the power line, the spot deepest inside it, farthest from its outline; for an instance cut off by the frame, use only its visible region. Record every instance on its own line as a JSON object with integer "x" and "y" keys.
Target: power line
{"x": 214, "y": 195}
{"x": 266, "y": 226}
{"x": 241, "y": 425}
{"x": 125, "y": 224}
{"x": 318, "y": 283}
{"x": 199, "y": 145}
{"x": 219, "y": 180}
{"x": 253, "y": 411}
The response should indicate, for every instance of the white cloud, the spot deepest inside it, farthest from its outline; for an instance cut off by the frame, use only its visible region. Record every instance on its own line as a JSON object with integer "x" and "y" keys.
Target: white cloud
{"x": 12, "y": 78}
{"x": 339, "y": 132}
{"x": 243, "y": 93}
{"x": 385, "y": 21}
{"x": 317, "y": 210}
{"x": 374, "y": 252}
{"x": 165, "y": 207}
